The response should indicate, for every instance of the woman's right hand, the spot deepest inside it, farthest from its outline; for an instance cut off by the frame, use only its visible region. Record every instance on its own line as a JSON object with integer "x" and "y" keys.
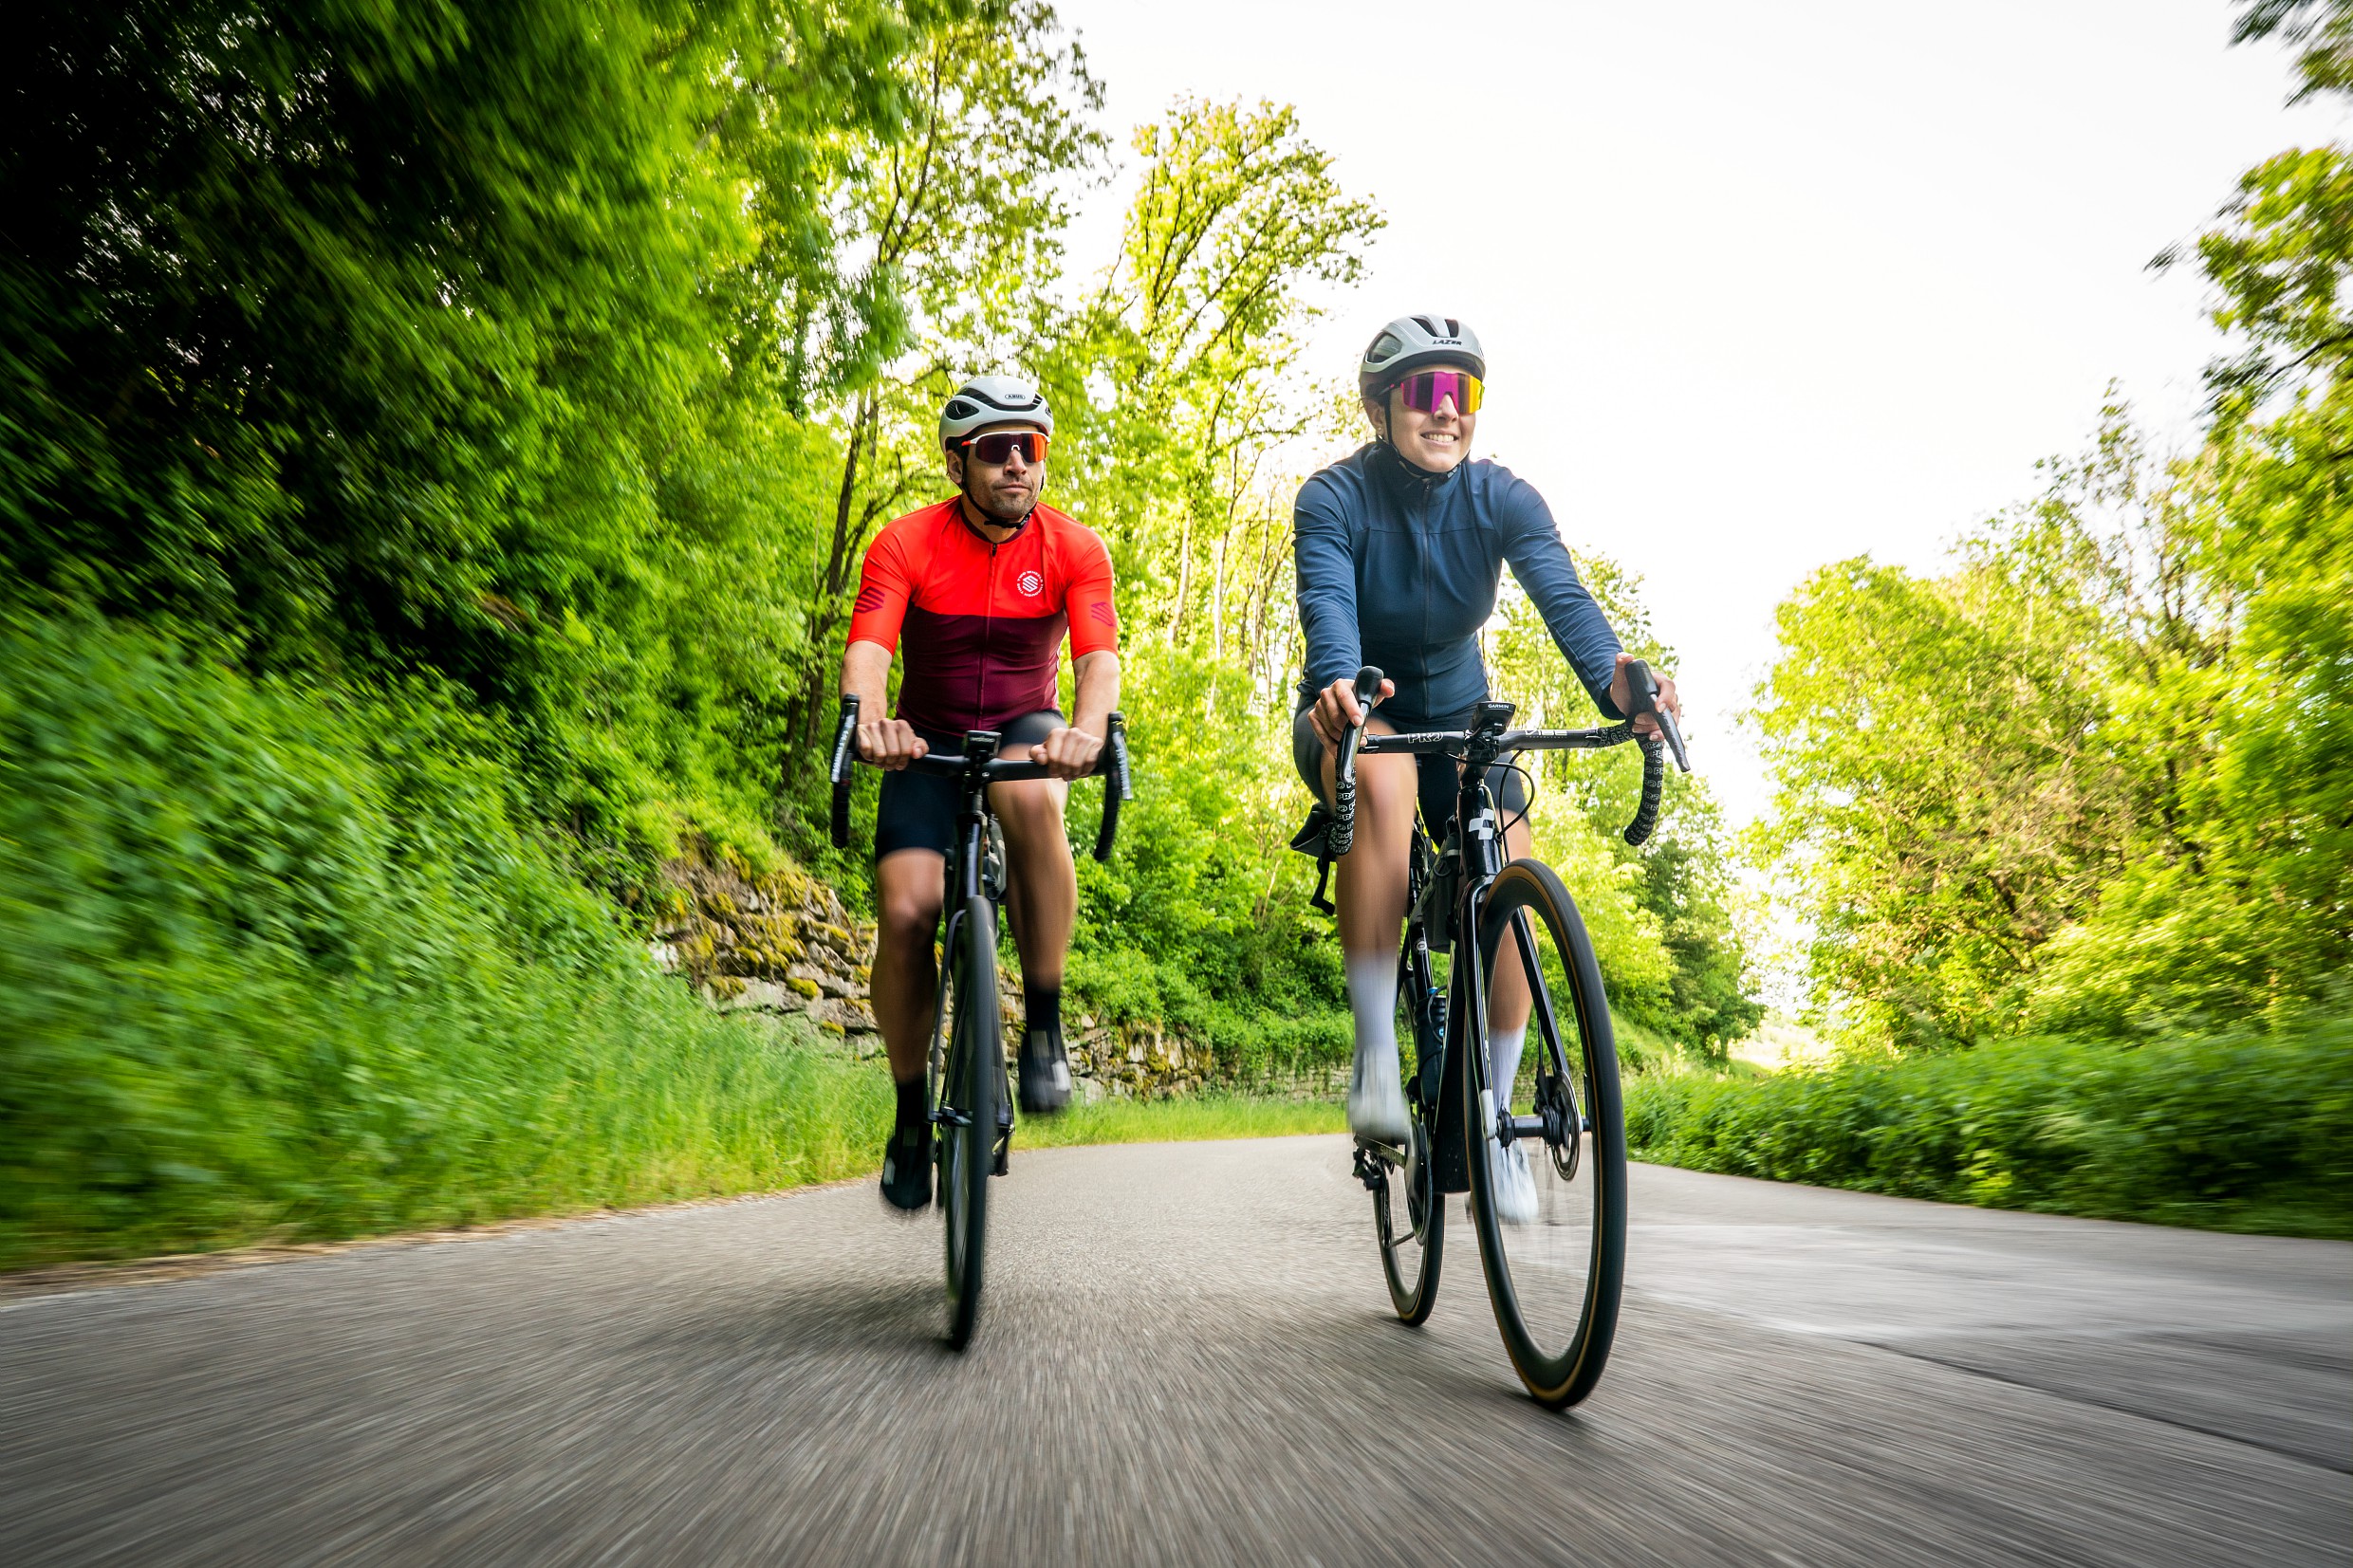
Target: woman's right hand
{"x": 1337, "y": 710}
{"x": 890, "y": 743}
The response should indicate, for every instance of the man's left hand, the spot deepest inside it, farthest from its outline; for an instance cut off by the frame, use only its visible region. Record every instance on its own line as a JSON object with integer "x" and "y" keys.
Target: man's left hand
{"x": 1069, "y": 754}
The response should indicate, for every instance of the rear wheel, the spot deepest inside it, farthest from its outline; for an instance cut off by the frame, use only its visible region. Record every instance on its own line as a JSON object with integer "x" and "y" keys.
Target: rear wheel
{"x": 1408, "y": 1212}
{"x": 968, "y": 1123}
{"x": 1552, "y": 1241}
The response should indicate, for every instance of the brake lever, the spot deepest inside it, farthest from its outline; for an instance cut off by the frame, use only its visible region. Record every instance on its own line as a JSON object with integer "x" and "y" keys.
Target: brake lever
{"x": 1643, "y": 688}
{"x": 1668, "y": 727}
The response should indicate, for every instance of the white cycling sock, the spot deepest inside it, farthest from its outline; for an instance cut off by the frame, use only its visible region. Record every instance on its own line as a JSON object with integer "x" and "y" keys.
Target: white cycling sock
{"x": 1503, "y": 1054}
{"x": 1372, "y": 996}
{"x": 1376, "y": 1097}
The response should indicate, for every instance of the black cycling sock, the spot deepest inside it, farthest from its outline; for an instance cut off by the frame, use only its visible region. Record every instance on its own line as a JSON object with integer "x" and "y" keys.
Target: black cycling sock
{"x": 1044, "y": 1005}
{"x": 913, "y": 1112}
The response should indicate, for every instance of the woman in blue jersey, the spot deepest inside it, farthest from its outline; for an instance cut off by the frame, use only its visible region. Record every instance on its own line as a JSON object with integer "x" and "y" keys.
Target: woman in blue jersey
{"x": 1401, "y": 549}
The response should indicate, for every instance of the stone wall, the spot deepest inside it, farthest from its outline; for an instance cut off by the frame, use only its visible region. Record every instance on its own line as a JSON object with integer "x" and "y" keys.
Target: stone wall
{"x": 784, "y": 945}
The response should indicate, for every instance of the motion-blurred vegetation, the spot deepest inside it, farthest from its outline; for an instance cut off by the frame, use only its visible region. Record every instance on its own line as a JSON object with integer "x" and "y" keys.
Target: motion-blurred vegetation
{"x": 436, "y": 447}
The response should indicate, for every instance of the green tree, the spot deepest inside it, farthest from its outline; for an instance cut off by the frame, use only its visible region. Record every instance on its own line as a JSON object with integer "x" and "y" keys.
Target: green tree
{"x": 956, "y": 223}
{"x": 1660, "y": 915}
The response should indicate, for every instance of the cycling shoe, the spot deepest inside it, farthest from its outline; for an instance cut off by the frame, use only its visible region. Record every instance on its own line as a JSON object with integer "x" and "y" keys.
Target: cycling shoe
{"x": 907, "y": 1167}
{"x": 1045, "y": 1073}
{"x": 1376, "y": 1098}
{"x": 1515, "y": 1186}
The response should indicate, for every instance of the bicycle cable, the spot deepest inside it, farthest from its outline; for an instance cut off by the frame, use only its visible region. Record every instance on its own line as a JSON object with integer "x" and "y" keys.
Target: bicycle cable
{"x": 1527, "y": 794}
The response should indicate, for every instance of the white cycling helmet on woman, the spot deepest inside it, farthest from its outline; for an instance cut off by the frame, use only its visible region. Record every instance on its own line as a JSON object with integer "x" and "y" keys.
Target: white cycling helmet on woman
{"x": 987, "y": 400}
{"x": 1412, "y": 342}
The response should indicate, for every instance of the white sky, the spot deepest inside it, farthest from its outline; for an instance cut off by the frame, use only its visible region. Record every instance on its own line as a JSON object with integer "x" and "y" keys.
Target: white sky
{"x": 1762, "y": 286}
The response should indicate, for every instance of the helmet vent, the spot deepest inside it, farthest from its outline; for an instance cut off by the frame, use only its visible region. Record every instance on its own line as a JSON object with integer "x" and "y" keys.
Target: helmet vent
{"x": 1430, "y": 326}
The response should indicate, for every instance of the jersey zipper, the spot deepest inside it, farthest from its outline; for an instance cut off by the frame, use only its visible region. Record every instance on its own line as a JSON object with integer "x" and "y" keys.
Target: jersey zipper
{"x": 988, "y": 637}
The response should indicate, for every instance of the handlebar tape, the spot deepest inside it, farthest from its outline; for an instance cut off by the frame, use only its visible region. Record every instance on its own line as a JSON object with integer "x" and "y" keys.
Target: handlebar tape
{"x": 1653, "y": 784}
{"x": 1340, "y": 836}
{"x": 1118, "y": 786}
{"x": 843, "y": 736}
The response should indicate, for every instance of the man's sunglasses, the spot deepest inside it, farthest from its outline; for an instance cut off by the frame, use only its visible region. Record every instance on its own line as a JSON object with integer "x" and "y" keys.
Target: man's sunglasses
{"x": 993, "y": 450}
{"x": 1426, "y": 389}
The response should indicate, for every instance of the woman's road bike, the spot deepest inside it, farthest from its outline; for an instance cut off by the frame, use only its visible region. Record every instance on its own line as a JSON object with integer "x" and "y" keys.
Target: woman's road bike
{"x": 971, "y": 1107}
{"x": 1554, "y": 1274}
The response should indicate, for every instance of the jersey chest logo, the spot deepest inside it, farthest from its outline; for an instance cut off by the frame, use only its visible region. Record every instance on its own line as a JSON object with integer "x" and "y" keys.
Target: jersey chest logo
{"x": 1030, "y": 583}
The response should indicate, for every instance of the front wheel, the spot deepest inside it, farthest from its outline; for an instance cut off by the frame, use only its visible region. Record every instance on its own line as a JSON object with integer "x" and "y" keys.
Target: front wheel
{"x": 1551, "y": 1200}
{"x": 967, "y": 1116}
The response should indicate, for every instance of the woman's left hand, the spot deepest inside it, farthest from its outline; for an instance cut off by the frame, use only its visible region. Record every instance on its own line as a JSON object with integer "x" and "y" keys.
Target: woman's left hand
{"x": 1622, "y": 695}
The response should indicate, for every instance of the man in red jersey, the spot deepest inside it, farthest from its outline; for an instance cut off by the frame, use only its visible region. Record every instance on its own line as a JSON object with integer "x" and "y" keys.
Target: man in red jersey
{"x": 982, "y": 589}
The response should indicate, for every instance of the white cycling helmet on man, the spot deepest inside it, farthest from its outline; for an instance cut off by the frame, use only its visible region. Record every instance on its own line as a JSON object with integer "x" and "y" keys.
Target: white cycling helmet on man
{"x": 987, "y": 400}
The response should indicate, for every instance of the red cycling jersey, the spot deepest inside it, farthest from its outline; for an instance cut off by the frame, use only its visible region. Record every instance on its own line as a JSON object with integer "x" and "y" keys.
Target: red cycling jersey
{"x": 984, "y": 623}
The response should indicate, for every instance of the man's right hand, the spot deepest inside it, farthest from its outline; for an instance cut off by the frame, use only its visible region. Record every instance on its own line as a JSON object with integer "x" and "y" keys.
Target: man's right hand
{"x": 890, "y": 743}
{"x": 1337, "y": 710}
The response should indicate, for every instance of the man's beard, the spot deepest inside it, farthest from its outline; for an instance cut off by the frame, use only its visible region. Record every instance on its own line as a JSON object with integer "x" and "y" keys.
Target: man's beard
{"x": 980, "y": 502}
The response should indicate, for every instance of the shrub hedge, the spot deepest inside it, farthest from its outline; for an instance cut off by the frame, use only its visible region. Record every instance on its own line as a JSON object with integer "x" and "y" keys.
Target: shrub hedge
{"x": 2232, "y": 1131}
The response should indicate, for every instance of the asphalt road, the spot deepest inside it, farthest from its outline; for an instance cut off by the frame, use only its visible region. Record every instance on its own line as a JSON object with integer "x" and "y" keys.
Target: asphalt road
{"x": 1187, "y": 1358}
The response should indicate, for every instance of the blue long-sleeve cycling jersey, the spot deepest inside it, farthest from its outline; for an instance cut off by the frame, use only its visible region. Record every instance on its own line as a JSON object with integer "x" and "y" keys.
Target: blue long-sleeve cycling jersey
{"x": 1400, "y": 568}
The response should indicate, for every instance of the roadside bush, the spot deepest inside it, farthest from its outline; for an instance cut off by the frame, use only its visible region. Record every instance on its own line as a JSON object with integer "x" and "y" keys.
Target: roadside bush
{"x": 2239, "y": 1132}
{"x": 277, "y": 961}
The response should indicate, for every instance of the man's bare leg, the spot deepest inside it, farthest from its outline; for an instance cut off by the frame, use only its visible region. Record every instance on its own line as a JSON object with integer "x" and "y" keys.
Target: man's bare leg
{"x": 909, "y": 887}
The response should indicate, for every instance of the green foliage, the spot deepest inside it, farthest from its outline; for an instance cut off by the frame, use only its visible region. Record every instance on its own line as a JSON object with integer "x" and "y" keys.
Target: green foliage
{"x": 277, "y": 960}
{"x": 1944, "y": 803}
{"x": 436, "y": 445}
{"x": 2237, "y": 1132}
{"x": 1174, "y": 384}
{"x": 2100, "y": 776}
{"x": 361, "y": 340}
{"x": 2324, "y": 28}
{"x": 1661, "y": 917}
{"x": 1189, "y": 1121}
{"x": 1201, "y": 922}
{"x": 2096, "y": 777}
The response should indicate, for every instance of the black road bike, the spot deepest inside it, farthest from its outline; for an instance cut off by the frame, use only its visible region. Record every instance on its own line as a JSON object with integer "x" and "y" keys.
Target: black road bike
{"x": 1553, "y": 1274}
{"x": 971, "y": 1106}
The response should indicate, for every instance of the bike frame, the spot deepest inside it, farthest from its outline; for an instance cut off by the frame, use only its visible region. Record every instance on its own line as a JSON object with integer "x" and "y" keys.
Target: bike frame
{"x": 1474, "y": 849}
{"x": 967, "y": 860}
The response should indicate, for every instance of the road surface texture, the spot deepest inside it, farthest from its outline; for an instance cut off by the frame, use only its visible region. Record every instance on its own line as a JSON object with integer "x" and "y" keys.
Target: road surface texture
{"x": 1186, "y": 1356}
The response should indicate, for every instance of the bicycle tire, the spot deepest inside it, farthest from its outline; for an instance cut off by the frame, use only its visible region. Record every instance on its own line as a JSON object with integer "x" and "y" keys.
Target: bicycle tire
{"x": 1558, "y": 1320}
{"x": 1411, "y": 1255}
{"x": 967, "y": 1141}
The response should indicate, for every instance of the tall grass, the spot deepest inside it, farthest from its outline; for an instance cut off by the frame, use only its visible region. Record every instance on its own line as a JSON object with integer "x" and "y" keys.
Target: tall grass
{"x": 281, "y": 962}
{"x": 1185, "y": 1121}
